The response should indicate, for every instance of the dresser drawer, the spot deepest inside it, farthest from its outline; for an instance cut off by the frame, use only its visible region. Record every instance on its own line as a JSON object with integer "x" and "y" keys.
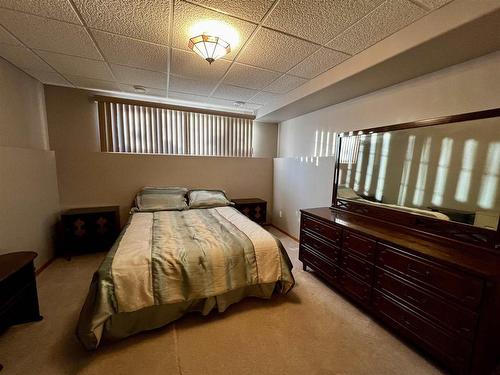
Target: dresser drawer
{"x": 361, "y": 246}
{"x": 456, "y": 319}
{"x": 328, "y": 232}
{"x": 363, "y": 270}
{"x": 355, "y": 287}
{"x": 451, "y": 348}
{"x": 325, "y": 248}
{"x": 465, "y": 289}
{"x": 318, "y": 263}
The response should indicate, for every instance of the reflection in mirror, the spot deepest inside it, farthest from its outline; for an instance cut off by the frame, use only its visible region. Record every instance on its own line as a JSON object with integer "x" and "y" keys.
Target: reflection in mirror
{"x": 450, "y": 171}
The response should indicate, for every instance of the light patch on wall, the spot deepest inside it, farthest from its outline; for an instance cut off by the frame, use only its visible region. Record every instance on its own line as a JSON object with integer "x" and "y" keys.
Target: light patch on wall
{"x": 442, "y": 171}
{"x": 464, "y": 179}
{"x": 321, "y": 143}
{"x": 489, "y": 181}
{"x": 327, "y": 143}
{"x": 359, "y": 166}
{"x": 384, "y": 156}
{"x": 371, "y": 163}
{"x": 405, "y": 176}
{"x": 316, "y": 143}
{"x": 423, "y": 168}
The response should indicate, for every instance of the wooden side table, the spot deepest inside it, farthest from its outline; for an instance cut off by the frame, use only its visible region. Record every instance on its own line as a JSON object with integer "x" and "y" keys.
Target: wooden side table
{"x": 90, "y": 229}
{"x": 253, "y": 208}
{"x": 18, "y": 293}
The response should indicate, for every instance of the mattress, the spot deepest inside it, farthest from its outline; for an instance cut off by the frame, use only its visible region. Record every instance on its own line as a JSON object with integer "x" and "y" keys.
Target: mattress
{"x": 168, "y": 263}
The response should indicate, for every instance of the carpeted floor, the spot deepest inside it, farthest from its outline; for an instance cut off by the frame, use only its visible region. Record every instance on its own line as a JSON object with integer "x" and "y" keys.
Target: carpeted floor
{"x": 312, "y": 330}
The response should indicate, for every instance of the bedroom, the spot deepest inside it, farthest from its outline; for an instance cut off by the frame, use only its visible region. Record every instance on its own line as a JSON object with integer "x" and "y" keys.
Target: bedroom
{"x": 356, "y": 133}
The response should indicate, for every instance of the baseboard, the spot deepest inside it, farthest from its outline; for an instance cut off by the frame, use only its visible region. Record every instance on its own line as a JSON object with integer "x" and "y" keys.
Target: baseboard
{"x": 282, "y": 231}
{"x": 40, "y": 269}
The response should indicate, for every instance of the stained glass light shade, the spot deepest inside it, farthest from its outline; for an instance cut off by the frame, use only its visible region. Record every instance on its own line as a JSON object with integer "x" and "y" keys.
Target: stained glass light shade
{"x": 209, "y": 47}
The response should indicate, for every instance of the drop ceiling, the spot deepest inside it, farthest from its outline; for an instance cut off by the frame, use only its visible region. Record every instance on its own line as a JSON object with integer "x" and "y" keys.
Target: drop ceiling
{"x": 113, "y": 45}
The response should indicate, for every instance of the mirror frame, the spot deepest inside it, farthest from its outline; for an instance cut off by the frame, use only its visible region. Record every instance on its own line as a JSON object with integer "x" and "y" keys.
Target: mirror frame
{"x": 461, "y": 232}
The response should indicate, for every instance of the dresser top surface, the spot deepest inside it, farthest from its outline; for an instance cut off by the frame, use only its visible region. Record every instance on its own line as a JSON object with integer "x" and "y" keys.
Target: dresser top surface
{"x": 90, "y": 210}
{"x": 12, "y": 262}
{"x": 470, "y": 259}
{"x": 249, "y": 201}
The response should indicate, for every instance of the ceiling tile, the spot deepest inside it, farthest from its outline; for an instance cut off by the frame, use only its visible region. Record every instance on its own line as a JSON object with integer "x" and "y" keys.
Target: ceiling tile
{"x": 249, "y": 76}
{"x": 131, "y": 52}
{"x": 149, "y": 91}
{"x": 23, "y": 58}
{"x": 50, "y": 35}
{"x": 319, "y": 62}
{"x": 187, "y": 97}
{"x": 318, "y": 20}
{"x": 190, "y": 86}
{"x": 252, "y": 10}
{"x": 432, "y": 4}
{"x": 276, "y": 51}
{"x": 189, "y": 64}
{"x": 134, "y": 76}
{"x": 264, "y": 98}
{"x": 385, "y": 20}
{"x": 90, "y": 83}
{"x": 49, "y": 78}
{"x": 229, "y": 104}
{"x": 58, "y": 9}
{"x": 78, "y": 66}
{"x": 284, "y": 84}
{"x": 145, "y": 20}
{"x": 186, "y": 15}
{"x": 233, "y": 93}
{"x": 6, "y": 38}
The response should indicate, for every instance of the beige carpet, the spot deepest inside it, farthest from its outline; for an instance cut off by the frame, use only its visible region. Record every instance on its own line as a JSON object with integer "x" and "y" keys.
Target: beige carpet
{"x": 312, "y": 330}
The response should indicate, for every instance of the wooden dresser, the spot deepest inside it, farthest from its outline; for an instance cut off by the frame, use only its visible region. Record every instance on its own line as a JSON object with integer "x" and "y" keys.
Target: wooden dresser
{"x": 436, "y": 294}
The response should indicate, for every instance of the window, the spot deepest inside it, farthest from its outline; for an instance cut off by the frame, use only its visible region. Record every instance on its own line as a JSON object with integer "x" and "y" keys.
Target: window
{"x": 152, "y": 128}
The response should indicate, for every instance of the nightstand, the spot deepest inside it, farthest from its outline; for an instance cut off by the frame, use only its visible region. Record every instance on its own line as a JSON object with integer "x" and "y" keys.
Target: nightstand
{"x": 90, "y": 229}
{"x": 253, "y": 208}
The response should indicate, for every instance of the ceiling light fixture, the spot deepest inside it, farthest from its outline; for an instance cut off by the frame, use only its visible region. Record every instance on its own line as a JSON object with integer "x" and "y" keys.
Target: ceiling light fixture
{"x": 212, "y": 39}
{"x": 209, "y": 47}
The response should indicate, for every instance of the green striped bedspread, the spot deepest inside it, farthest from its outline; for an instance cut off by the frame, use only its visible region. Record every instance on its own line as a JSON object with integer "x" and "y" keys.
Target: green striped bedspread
{"x": 167, "y": 263}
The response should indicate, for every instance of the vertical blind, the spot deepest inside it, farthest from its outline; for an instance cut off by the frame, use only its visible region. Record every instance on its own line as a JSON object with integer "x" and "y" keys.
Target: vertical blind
{"x": 147, "y": 129}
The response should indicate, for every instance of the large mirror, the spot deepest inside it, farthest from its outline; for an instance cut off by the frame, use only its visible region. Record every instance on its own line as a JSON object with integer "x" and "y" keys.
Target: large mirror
{"x": 449, "y": 171}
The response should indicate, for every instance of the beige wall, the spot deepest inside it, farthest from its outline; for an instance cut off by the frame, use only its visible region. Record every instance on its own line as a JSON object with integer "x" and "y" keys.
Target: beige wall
{"x": 265, "y": 139}
{"x": 28, "y": 185}
{"x": 23, "y": 122}
{"x": 88, "y": 177}
{"x": 466, "y": 87}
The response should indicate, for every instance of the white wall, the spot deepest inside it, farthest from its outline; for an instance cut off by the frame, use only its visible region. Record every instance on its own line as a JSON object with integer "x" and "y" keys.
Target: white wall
{"x": 28, "y": 186}
{"x": 470, "y": 86}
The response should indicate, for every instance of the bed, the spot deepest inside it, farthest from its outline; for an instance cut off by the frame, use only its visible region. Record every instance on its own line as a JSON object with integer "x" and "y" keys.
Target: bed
{"x": 168, "y": 263}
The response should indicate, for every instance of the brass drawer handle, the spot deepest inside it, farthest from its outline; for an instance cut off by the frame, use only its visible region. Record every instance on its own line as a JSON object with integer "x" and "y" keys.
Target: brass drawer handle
{"x": 415, "y": 299}
{"x": 425, "y": 273}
